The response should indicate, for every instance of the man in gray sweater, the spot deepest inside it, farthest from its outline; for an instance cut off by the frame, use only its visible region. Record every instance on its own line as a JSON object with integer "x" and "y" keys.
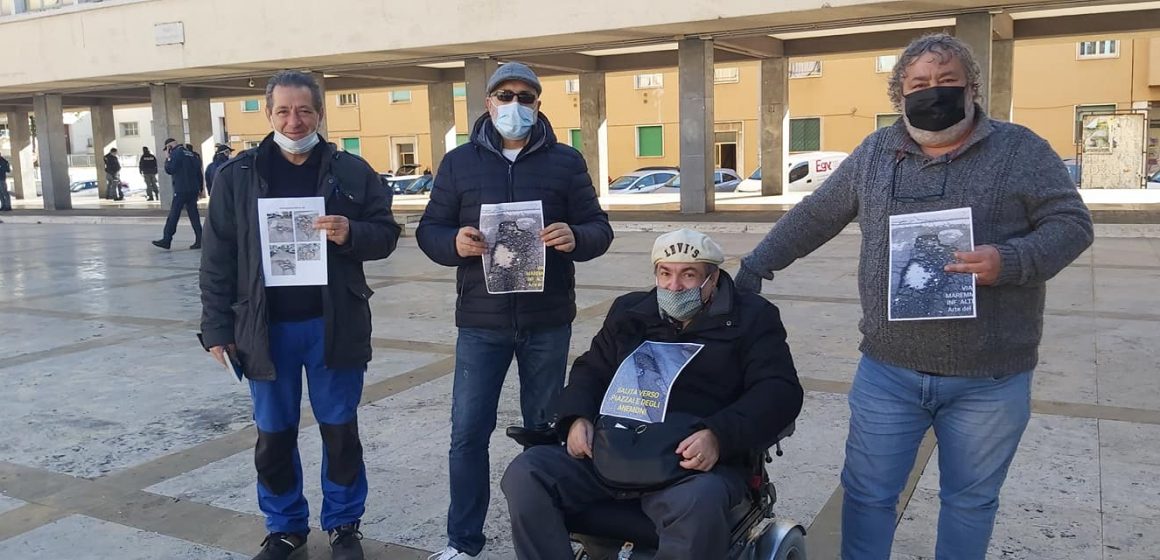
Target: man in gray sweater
{"x": 968, "y": 378}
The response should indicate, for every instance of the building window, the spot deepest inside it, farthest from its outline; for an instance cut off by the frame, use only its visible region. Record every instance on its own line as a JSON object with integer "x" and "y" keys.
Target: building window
{"x": 3, "y": 129}
{"x": 574, "y": 138}
{"x": 885, "y": 63}
{"x": 348, "y": 100}
{"x": 886, "y": 119}
{"x": 129, "y": 129}
{"x": 250, "y": 144}
{"x": 572, "y": 86}
{"x": 251, "y": 105}
{"x": 401, "y": 96}
{"x": 406, "y": 153}
{"x": 650, "y": 141}
{"x": 352, "y": 145}
{"x": 1097, "y": 49}
{"x": 459, "y": 91}
{"x": 726, "y": 75}
{"x": 1081, "y": 110}
{"x": 805, "y": 135}
{"x": 805, "y": 69}
{"x": 461, "y": 139}
{"x": 650, "y": 81}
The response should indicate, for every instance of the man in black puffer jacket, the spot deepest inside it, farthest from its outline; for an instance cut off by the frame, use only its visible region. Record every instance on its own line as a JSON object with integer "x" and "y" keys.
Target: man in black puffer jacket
{"x": 513, "y": 156}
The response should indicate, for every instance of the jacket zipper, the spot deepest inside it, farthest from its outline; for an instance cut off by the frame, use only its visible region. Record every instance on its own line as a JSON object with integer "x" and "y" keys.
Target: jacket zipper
{"x": 511, "y": 197}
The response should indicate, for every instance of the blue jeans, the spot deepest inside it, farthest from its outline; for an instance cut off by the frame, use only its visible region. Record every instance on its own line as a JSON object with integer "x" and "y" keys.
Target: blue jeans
{"x": 978, "y": 423}
{"x": 334, "y": 398}
{"x": 482, "y": 358}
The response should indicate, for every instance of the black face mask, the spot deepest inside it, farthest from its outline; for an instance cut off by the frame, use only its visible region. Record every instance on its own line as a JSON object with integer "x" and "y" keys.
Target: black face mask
{"x": 936, "y": 108}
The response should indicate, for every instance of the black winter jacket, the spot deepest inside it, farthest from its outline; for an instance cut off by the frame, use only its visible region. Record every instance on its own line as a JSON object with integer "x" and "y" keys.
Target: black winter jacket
{"x": 233, "y": 290}
{"x": 743, "y": 383}
{"x": 477, "y": 173}
{"x": 112, "y": 163}
{"x": 147, "y": 164}
{"x": 185, "y": 168}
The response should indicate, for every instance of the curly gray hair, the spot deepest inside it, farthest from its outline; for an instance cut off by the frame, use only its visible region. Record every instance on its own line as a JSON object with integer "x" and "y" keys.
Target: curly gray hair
{"x": 945, "y": 47}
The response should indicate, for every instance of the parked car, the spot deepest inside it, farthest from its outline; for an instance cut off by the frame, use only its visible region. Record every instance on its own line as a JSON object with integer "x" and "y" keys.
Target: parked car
{"x": 643, "y": 180}
{"x": 804, "y": 172}
{"x": 1154, "y": 181}
{"x": 724, "y": 180}
{"x": 89, "y": 188}
{"x": 422, "y": 185}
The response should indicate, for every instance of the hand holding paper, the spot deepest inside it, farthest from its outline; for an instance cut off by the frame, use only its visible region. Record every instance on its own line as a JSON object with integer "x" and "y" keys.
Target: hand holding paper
{"x": 337, "y": 228}
{"x": 984, "y": 262}
{"x": 469, "y": 242}
{"x": 559, "y": 235}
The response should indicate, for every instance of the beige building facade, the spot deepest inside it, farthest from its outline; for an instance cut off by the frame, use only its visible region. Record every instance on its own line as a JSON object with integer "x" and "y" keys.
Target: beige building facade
{"x": 835, "y": 101}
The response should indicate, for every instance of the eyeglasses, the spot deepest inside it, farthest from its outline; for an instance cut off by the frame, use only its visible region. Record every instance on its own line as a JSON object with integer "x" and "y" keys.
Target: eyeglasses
{"x": 924, "y": 198}
{"x": 507, "y": 96}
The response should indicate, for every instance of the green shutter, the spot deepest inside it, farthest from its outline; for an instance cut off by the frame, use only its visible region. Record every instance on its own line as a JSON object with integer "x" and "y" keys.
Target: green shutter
{"x": 805, "y": 135}
{"x": 576, "y": 138}
{"x": 352, "y": 145}
{"x": 251, "y": 105}
{"x": 459, "y": 91}
{"x": 650, "y": 141}
{"x": 461, "y": 139}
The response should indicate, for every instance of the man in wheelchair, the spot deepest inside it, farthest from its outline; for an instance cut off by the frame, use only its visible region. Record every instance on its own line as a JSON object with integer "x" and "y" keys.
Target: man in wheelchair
{"x": 736, "y": 392}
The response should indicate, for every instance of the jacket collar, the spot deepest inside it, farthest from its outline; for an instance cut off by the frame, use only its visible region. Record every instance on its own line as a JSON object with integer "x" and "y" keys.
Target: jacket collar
{"x": 484, "y": 134}
{"x": 898, "y": 139}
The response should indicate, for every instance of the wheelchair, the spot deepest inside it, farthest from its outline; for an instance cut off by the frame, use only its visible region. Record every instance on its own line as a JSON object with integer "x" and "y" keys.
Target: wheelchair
{"x": 619, "y": 530}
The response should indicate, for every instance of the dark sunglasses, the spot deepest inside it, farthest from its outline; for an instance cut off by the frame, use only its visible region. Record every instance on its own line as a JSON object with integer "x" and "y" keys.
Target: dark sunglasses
{"x": 507, "y": 96}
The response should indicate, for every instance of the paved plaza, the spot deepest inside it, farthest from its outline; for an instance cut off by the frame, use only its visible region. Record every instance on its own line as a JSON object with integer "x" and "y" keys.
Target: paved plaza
{"x": 123, "y": 440}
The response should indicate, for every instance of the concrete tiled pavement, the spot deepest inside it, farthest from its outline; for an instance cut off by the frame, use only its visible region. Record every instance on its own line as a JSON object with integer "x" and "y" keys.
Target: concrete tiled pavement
{"x": 124, "y": 441}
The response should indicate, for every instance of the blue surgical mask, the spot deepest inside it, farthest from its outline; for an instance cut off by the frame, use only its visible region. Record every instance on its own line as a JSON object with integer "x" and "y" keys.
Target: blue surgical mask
{"x": 514, "y": 120}
{"x": 681, "y": 305}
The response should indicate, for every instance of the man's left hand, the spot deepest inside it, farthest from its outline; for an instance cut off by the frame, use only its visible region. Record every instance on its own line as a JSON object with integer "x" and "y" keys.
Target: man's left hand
{"x": 337, "y": 228}
{"x": 560, "y": 236}
{"x": 700, "y": 451}
{"x": 984, "y": 262}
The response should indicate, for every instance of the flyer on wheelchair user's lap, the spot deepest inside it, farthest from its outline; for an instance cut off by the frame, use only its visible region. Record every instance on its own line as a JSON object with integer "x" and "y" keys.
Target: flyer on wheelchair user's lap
{"x": 640, "y": 389}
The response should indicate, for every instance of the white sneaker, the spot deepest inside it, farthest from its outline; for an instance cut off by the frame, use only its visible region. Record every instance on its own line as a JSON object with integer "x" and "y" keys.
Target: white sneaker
{"x": 451, "y": 553}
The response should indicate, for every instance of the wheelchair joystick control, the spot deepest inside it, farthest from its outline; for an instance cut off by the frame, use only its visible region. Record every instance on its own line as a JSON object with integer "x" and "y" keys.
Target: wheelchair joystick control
{"x": 625, "y": 552}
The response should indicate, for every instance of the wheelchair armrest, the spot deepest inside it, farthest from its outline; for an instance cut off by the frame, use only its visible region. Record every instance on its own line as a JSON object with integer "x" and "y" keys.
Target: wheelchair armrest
{"x": 533, "y": 437}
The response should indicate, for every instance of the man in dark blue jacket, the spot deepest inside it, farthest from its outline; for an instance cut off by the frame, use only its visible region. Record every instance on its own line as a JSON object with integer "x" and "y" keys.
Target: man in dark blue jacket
{"x": 513, "y": 156}
{"x": 185, "y": 168}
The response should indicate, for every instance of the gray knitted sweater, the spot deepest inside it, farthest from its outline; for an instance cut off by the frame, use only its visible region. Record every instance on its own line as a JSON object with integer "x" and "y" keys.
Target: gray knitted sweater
{"x": 1023, "y": 202}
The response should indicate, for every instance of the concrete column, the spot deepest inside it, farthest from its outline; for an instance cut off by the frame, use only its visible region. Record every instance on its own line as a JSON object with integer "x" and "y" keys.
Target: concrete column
{"x": 23, "y": 172}
{"x": 477, "y": 71}
{"x": 695, "y": 70}
{"x": 977, "y": 31}
{"x": 441, "y": 115}
{"x": 104, "y": 139}
{"x": 773, "y": 113}
{"x": 594, "y": 128}
{"x": 167, "y": 123}
{"x": 200, "y": 127}
{"x": 1002, "y": 78}
{"x": 50, "y": 136}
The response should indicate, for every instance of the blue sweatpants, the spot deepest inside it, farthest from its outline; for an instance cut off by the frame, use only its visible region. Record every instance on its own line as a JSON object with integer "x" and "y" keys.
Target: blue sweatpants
{"x": 334, "y": 398}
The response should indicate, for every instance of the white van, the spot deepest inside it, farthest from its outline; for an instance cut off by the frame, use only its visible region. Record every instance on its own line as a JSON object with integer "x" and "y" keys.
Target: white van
{"x": 804, "y": 172}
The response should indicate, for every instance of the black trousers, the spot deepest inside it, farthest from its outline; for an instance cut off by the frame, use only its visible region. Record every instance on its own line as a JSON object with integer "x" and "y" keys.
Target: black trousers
{"x": 187, "y": 202}
{"x": 544, "y": 483}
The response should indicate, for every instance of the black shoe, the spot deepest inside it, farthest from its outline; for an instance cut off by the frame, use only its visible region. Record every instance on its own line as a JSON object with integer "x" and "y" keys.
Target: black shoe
{"x": 344, "y": 542}
{"x": 196, "y": 245}
{"x": 162, "y": 244}
{"x": 282, "y": 546}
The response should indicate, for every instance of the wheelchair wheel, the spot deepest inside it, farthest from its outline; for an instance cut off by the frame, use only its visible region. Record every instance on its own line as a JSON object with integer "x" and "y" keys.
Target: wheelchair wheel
{"x": 793, "y": 546}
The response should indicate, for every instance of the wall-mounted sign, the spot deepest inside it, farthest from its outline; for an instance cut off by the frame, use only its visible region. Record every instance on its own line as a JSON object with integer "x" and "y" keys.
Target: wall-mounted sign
{"x": 172, "y": 33}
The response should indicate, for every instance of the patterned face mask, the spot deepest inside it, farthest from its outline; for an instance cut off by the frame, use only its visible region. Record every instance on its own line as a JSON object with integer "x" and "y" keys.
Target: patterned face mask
{"x": 681, "y": 305}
